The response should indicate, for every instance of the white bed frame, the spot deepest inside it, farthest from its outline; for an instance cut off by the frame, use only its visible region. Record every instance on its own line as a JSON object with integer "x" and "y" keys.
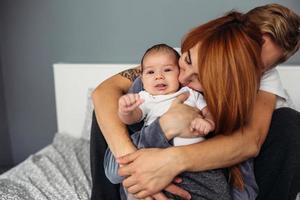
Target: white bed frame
{"x": 72, "y": 82}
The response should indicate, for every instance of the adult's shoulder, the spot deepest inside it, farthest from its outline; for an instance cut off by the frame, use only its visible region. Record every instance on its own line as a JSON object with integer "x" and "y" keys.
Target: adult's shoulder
{"x": 270, "y": 82}
{"x": 271, "y": 74}
{"x": 270, "y": 79}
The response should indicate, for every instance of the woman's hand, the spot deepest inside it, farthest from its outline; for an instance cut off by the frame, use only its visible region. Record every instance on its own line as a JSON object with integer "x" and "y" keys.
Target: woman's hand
{"x": 177, "y": 120}
{"x": 173, "y": 189}
{"x": 149, "y": 171}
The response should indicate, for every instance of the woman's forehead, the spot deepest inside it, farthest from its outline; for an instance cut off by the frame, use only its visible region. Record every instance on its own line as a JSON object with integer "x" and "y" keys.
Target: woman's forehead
{"x": 193, "y": 53}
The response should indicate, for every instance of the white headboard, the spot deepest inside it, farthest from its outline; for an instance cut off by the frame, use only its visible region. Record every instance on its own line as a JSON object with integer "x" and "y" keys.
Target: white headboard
{"x": 72, "y": 82}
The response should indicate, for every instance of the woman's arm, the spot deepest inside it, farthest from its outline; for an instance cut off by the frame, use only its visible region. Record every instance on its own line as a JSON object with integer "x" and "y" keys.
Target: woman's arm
{"x": 105, "y": 99}
{"x": 227, "y": 150}
{"x": 146, "y": 138}
{"x": 220, "y": 151}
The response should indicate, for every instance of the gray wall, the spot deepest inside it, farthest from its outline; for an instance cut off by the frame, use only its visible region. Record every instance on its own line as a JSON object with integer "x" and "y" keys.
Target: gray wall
{"x": 39, "y": 33}
{"x": 5, "y": 148}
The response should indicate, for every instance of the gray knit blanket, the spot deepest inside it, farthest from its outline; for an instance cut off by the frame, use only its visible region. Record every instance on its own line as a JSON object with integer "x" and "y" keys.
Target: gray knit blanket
{"x": 59, "y": 171}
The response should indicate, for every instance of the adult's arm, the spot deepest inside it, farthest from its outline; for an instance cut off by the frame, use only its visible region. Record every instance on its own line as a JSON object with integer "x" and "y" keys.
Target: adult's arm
{"x": 105, "y": 99}
{"x": 141, "y": 139}
{"x": 151, "y": 169}
{"x": 227, "y": 150}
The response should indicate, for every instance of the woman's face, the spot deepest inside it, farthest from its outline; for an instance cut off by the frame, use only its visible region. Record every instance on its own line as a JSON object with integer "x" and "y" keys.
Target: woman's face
{"x": 188, "y": 64}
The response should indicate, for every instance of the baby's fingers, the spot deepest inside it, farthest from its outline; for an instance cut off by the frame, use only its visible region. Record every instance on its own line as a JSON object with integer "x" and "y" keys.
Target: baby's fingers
{"x": 122, "y": 101}
{"x": 134, "y": 105}
{"x": 208, "y": 128}
{"x": 132, "y": 98}
{"x": 197, "y": 130}
{"x": 138, "y": 99}
{"x": 137, "y": 103}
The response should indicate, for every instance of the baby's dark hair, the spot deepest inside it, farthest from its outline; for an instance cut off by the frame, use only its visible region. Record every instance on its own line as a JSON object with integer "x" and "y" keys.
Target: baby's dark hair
{"x": 157, "y": 48}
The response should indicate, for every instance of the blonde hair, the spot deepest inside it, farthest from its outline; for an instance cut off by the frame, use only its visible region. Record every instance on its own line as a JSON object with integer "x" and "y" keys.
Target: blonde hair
{"x": 229, "y": 63}
{"x": 281, "y": 23}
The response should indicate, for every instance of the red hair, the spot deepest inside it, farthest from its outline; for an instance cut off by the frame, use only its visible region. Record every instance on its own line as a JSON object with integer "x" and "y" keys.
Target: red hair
{"x": 229, "y": 62}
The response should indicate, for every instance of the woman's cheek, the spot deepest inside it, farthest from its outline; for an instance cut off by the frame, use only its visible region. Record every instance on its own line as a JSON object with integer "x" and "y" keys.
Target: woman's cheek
{"x": 182, "y": 78}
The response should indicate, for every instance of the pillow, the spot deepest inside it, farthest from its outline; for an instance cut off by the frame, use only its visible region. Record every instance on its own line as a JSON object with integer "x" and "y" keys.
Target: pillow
{"x": 86, "y": 130}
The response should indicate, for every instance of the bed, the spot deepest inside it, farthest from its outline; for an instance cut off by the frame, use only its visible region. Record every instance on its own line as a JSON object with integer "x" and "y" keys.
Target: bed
{"x": 61, "y": 170}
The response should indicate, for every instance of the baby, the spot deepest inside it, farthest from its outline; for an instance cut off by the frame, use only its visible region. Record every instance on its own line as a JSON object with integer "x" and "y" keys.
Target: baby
{"x": 160, "y": 73}
{"x": 159, "y": 77}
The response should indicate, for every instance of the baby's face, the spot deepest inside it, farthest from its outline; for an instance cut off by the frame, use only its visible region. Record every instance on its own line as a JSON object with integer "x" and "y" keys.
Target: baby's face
{"x": 160, "y": 73}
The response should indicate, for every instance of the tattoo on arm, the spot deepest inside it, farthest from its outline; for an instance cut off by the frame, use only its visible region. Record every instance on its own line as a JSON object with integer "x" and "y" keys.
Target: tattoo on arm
{"x": 131, "y": 74}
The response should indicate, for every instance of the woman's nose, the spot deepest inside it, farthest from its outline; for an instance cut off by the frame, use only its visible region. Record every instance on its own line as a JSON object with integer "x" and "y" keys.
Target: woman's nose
{"x": 184, "y": 80}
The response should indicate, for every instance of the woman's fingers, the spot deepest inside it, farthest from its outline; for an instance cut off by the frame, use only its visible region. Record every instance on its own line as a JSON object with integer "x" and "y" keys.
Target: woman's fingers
{"x": 142, "y": 194}
{"x": 160, "y": 196}
{"x": 181, "y": 98}
{"x": 128, "y": 158}
{"x": 176, "y": 190}
{"x": 133, "y": 189}
{"x": 176, "y": 121}
{"x": 148, "y": 171}
{"x": 125, "y": 170}
{"x": 148, "y": 198}
{"x": 130, "y": 182}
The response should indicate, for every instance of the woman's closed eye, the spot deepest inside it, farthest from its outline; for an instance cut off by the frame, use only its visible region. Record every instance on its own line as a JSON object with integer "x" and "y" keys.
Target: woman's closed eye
{"x": 187, "y": 58}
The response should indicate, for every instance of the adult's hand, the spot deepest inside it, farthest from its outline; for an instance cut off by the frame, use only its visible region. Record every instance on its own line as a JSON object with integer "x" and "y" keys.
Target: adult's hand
{"x": 149, "y": 171}
{"x": 177, "y": 191}
{"x": 177, "y": 120}
{"x": 173, "y": 189}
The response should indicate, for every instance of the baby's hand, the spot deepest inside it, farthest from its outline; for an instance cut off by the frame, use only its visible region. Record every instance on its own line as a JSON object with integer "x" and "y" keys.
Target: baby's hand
{"x": 201, "y": 127}
{"x": 129, "y": 102}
